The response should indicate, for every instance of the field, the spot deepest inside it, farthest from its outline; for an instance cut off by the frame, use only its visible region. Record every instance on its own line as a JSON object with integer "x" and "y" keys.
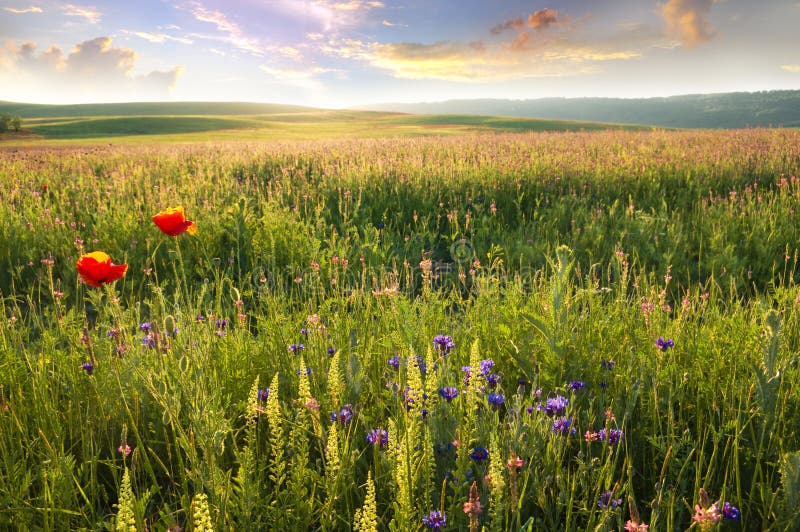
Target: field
{"x": 517, "y": 331}
{"x": 187, "y": 122}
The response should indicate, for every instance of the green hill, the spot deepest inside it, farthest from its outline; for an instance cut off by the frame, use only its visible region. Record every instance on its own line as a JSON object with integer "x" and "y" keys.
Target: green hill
{"x": 30, "y": 110}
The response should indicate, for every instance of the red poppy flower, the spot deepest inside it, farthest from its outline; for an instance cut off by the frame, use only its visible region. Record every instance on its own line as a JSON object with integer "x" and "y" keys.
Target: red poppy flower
{"x": 95, "y": 269}
{"x": 173, "y": 222}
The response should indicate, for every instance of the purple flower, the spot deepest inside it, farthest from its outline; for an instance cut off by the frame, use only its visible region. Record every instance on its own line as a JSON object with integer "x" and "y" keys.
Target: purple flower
{"x": 443, "y": 343}
{"x": 199, "y": 317}
{"x": 492, "y": 379}
{"x": 263, "y": 395}
{"x": 149, "y": 340}
{"x": 479, "y": 454}
{"x": 88, "y": 367}
{"x": 221, "y": 323}
{"x": 562, "y": 425}
{"x": 331, "y": 350}
{"x": 145, "y": 327}
{"x": 395, "y": 362}
{"x": 307, "y": 371}
{"x": 486, "y": 366}
{"x": 423, "y": 367}
{"x": 496, "y": 400}
{"x": 730, "y": 511}
{"x": 613, "y": 436}
{"x": 664, "y": 344}
{"x": 576, "y": 385}
{"x": 606, "y": 501}
{"x": 435, "y": 520}
{"x": 303, "y": 330}
{"x": 556, "y": 406}
{"x": 378, "y": 437}
{"x": 607, "y": 365}
{"x": 449, "y": 393}
{"x": 344, "y": 415}
{"x": 297, "y": 347}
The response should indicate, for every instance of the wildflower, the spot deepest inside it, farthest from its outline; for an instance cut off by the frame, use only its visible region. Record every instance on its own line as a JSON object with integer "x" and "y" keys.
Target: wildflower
{"x": 496, "y": 400}
{"x": 515, "y": 462}
{"x": 221, "y": 323}
{"x": 112, "y": 333}
{"x": 730, "y": 512}
{"x": 473, "y": 507}
{"x": 304, "y": 331}
{"x": 612, "y": 435}
{"x": 96, "y": 269}
{"x": 299, "y": 371}
{"x": 634, "y": 526}
{"x": 556, "y": 406}
{"x": 705, "y": 513}
{"x": 590, "y": 436}
{"x": 380, "y": 225}
{"x": 124, "y": 449}
{"x": 172, "y": 222}
{"x": 331, "y": 350}
{"x": 562, "y": 426}
{"x": 145, "y": 327}
{"x": 395, "y": 362}
{"x": 297, "y": 347}
{"x": 576, "y": 385}
{"x": 199, "y": 317}
{"x": 448, "y": 393}
{"x": 263, "y": 395}
{"x": 344, "y": 415}
{"x": 443, "y": 343}
{"x": 664, "y": 344}
{"x": 423, "y": 367}
{"x": 88, "y": 367}
{"x": 435, "y": 520}
{"x": 486, "y": 366}
{"x": 378, "y": 437}
{"x": 606, "y": 501}
{"x": 148, "y": 340}
{"x": 479, "y": 454}
{"x": 492, "y": 379}
{"x": 607, "y": 365}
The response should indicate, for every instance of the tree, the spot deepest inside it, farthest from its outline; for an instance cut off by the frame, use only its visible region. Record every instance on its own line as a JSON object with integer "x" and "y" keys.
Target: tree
{"x": 16, "y": 123}
{"x": 5, "y": 122}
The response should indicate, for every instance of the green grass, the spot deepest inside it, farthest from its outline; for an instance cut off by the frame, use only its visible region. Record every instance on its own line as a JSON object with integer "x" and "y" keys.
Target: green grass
{"x": 549, "y": 253}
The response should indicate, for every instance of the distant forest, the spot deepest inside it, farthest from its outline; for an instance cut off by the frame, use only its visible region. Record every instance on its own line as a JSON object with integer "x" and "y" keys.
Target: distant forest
{"x": 715, "y": 111}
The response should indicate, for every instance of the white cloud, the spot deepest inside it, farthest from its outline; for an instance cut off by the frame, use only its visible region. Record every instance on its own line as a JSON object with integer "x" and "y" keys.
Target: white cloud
{"x": 90, "y": 13}
{"x": 233, "y": 33}
{"x": 94, "y": 70}
{"x": 791, "y": 68}
{"x": 158, "y": 38}
{"x": 20, "y": 11}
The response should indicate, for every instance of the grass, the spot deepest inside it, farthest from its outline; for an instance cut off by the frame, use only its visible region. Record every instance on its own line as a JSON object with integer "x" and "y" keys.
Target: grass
{"x": 553, "y": 261}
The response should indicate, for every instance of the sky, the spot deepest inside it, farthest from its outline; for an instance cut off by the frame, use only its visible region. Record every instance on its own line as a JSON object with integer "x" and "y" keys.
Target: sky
{"x": 341, "y": 53}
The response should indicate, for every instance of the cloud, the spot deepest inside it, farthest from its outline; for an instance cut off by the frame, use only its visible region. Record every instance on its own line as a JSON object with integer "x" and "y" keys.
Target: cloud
{"x": 791, "y": 68}
{"x": 305, "y": 78}
{"x": 90, "y": 13}
{"x": 393, "y": 24}
{"x": 479, "y": 61}
{"x": 538, "y": 20}
{"x": 687, "y": 21}
{"x": 234, "y": 33}
{"x": 20, "y": 11}
{"x": 349, "y": 5}
{"x": 158, "y": 38}
{"x": 94, "y": 70}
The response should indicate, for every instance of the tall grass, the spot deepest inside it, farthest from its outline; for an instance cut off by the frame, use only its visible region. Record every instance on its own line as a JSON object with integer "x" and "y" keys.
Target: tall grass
{"x": 362, "y": 252}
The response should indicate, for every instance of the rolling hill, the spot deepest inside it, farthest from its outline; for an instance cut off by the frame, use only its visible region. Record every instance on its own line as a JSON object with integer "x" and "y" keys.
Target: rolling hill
{"x": 712, "y": 111}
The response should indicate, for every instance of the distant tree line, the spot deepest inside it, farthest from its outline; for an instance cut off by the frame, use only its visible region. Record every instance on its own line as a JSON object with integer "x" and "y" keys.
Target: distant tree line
{"x": 10, "y": 123}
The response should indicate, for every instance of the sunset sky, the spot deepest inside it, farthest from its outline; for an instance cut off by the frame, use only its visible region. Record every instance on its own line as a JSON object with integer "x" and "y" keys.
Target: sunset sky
{"x": 331, "y": 53}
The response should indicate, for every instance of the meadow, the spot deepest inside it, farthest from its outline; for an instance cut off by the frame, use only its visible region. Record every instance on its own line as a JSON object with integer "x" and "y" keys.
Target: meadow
{"x": 589, "y": 330}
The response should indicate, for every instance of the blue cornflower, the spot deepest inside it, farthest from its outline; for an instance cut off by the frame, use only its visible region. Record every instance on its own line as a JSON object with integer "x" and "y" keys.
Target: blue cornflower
{"x": 423, "y": 367}
{"x": 199, "y": 317}
{"x": 576, "y": 385}
{"x": 300, "y": 346}
{"x": 443, "y": 343}
{"x": 263, "y": 395}
{"x": 731, "y": 512}
{"x": 380, "y": 225}
{"x": 449, "y": 393}
{"x": 221, "y": 323}
{"x": 344, "y": 415}
{"x": 88, "y": 367}
{"x": 479, "y": 454}
{"x": 664, "y": 344}
{"x": 606, "y": 501}
{"x": 556, "y": 406}
{"x": 378, "y": 437}
{"x": 149, "y": 340}
{"x": 331, "y": 350}
{"x": 395, "y": 362}
{"x": 562, "y": 425}
{"x": 145, "y": 327}
{"x": 607, "y": 365}
{"x": 496, "y": 400}
{"x": 492, "y": 379}
{"x": 303, "y": 330}
{"x": 613, "y": 436}
{"x": 435, "y": 520}
{"x": 486, "y": 366}
{"x": 307, "y": 371}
